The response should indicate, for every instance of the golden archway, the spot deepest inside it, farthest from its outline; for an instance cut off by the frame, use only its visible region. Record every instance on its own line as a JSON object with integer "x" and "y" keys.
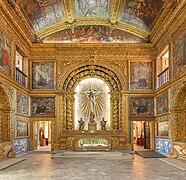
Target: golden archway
{"x": 96, "y": 71}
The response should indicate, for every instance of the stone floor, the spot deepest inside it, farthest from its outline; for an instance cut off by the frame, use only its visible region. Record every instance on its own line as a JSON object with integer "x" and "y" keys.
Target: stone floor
{"x": 39, "y": 166}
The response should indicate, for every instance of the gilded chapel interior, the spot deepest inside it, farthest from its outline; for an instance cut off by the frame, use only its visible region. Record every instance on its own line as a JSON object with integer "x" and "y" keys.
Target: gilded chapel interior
{"x": 92, "y": 76}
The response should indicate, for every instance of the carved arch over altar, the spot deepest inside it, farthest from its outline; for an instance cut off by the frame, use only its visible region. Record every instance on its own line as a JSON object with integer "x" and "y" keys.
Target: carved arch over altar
{"x": 93, "y": 71}
{"x": 110, "y": 78}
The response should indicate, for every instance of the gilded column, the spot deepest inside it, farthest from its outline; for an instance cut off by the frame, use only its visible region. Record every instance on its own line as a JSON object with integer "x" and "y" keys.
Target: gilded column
{"x": 125, "y": 114}
{"x": 70, "y": 110}
{"x": 115, "y": 110}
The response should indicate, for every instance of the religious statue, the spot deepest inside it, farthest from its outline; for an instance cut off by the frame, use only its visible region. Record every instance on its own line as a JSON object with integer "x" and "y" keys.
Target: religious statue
{"x": 81, "y": 124}
{"x": 92, "y": 116}
{"x": 92, "y": 95}
{"x": 103, "y": 124}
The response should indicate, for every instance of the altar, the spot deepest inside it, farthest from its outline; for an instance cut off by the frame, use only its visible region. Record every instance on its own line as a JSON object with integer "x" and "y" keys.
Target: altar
{"x": 94, "y": 140}
{"x": 93, "y": 117}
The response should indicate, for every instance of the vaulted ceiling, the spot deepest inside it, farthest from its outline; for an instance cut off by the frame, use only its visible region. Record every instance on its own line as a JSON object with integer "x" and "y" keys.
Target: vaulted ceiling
{"x": 52, "y": 17}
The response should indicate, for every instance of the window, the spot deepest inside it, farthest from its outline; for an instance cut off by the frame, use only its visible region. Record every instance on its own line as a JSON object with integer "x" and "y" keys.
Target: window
{"x": 162, "y": 68}
{"x": 21, "y": 68}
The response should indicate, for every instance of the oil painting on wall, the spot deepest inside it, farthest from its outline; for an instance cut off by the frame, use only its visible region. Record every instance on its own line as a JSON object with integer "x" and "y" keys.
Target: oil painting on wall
{"x": 179, "y": 51}
{"x": 141, "y": 106}
{"x": 43, "y": 13}
{"x": 21, "y": 129}
{"x": 22, "y": 105}
{"x": 43, "y": 75}
{"x": 141, "y": 13}
{"x": 43, "y": 106}
{"x": 162, "y": 129}
{"x": 5, "y": 57}
{"x": 162, "y": 104}
{"x": 140, "y": 75}
{"x": 92, "y": 8}
{"x": 92, "y": 34}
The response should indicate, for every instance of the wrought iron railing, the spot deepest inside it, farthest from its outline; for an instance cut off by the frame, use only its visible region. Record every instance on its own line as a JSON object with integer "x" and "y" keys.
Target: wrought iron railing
{"x": 163, "y": 77}
{"x": 21, "y": 77}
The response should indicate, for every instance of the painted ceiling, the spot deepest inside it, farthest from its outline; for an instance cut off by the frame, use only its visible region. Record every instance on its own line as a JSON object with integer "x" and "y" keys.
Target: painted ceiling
{"x": 47, "y": 17}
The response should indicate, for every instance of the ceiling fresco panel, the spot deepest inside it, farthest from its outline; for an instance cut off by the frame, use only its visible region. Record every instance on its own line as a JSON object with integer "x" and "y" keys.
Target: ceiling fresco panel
{"x": 92, "y": 34}
{"x": 141, "y": 13}
{"x": 43, "y": 13}
{"x": 92, "y": 9}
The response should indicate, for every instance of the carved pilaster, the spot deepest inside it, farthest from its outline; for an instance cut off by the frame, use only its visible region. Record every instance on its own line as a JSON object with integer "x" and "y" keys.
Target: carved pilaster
{"x": 125, "y": 114}
{"x": 115, "y": 110}
{"x": 70, "y": 110}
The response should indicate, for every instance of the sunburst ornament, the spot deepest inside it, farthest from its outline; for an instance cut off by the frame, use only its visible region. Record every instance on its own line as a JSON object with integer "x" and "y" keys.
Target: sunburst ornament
{"x": 92, "y": 99}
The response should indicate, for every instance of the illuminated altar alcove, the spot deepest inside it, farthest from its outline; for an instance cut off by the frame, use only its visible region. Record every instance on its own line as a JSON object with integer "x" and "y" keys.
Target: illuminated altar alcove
{"x": 82, "y": 102}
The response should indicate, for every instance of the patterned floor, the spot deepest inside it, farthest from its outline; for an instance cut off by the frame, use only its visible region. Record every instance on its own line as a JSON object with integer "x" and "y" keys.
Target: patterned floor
{"x": 43, "y": 167}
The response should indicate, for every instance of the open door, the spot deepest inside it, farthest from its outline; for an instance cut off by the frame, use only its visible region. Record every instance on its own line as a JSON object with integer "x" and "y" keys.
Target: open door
{"x": 146, "y": 135}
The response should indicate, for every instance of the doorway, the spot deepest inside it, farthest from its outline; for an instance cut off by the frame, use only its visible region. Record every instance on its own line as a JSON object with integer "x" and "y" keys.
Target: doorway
{"x": 141, "y": 135}
{"x": 42, "y": 135}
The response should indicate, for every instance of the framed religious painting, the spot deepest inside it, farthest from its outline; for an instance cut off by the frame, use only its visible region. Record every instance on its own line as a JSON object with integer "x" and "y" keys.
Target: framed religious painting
{"x": 22, "y": 104}
{"x": 179, "y": 54}
{"x": 22, "y": 129}
{"x": 141, "y": 106}
{"x": 43, "y": 76}
{"x": 43, "y": 106}
{"x": 5, "y": 54}
{"x": 140, "y": 75}
{"x": 163, "y": 129}
{"x": 162, "y": 104}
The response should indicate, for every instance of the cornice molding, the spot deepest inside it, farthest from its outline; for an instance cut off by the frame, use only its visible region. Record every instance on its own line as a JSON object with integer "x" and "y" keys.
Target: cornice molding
{"x": 172, "y": 18}
{"x": 15, "y": 20}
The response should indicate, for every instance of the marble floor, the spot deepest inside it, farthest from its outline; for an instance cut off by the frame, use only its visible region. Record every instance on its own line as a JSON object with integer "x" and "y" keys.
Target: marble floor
{"x": 39, "y": 166}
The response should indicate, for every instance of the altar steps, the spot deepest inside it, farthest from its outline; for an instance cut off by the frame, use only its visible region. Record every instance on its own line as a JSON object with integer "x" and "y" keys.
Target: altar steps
{"x": 94, "y": 155}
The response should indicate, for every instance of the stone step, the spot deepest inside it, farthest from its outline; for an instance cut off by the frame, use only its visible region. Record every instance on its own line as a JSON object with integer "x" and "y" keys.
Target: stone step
{"x": 5, "y": 163}
{"x": 180, "y": 164}
{"x": 96, "y": 155}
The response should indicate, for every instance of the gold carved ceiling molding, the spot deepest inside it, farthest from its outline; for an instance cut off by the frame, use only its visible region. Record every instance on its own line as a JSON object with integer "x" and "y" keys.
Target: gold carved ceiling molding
{"x": 115, "y": 10}
{"x": 173, "y": 17}
{"x": 13, "y": 14}
{"x": 68, "y": 7}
